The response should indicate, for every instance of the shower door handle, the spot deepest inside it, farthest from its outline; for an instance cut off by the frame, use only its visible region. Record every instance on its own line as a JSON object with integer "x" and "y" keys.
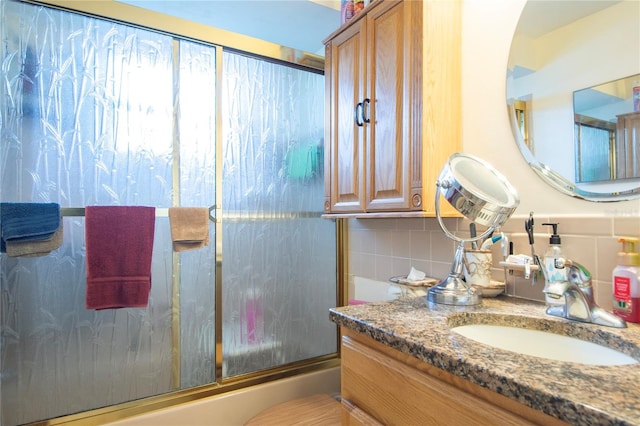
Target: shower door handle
{"x": 212, "y": 214}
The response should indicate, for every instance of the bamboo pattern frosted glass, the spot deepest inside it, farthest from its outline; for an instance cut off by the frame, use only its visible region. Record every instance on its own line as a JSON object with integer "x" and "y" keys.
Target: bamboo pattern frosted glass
{"x": 278, "y": 279}
{"x": 92, "y": 114}
{"x": 87, "y": 109}
{"x": 196, "y": 124}
{"x": 593, "y": 152}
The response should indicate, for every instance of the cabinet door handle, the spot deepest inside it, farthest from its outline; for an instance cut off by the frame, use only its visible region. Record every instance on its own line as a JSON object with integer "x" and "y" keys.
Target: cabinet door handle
{"x": 356, "y": 116}
{"x": 365, "y": 108}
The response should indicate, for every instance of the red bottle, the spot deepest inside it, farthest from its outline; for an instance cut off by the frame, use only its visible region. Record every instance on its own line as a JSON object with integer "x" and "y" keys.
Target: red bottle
{"x": 626, "y": 282}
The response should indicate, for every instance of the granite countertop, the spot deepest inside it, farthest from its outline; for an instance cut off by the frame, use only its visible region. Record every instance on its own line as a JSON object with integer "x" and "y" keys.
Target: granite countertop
{"x": 575, "y": 393}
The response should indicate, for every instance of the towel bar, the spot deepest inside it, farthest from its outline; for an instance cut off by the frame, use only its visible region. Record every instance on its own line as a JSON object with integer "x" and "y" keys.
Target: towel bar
{"x": 160, "y": 212}
{"x": 79, "y": 212}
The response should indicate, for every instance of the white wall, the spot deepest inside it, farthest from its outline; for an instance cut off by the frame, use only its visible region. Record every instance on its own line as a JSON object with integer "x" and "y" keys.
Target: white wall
{"x": 555, "y": 79}
{"x": 487, "y": 31}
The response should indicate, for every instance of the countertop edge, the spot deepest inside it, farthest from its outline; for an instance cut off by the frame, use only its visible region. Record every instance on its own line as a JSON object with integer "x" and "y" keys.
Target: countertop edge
{"x": 363, "y": 320}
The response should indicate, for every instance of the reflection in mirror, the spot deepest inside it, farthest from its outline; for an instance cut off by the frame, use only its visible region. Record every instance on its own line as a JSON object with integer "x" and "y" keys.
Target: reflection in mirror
{"x": 561, "y": 48}
{"x": 607, "y": 129}
{"x": 522, "y": 111}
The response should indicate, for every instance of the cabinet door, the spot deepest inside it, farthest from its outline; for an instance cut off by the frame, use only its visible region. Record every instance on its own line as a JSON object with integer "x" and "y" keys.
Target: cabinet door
{"x": 394, "y": 88}
{"x": 344, "y": 179}
{"x": 390, "y": 392}
{"x": 628, "y": 146}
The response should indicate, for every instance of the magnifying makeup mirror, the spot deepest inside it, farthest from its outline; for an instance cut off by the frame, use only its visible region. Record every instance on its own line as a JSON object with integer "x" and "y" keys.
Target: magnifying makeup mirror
{"x": 482, "y": 195}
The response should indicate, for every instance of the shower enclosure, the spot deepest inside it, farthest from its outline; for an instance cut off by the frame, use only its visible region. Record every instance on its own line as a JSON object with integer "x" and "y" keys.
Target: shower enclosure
{"x": 102, "y": 113}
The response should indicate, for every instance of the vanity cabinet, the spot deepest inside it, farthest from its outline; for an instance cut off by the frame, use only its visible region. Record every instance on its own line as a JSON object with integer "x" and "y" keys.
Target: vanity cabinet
{"x": 393, "y": 108}
{"x": 381, "y": 385}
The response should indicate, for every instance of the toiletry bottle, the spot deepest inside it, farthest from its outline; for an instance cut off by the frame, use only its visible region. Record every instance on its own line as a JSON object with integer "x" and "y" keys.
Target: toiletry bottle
{"x": 626, "y": 281}
{"x": 554, "y": 264}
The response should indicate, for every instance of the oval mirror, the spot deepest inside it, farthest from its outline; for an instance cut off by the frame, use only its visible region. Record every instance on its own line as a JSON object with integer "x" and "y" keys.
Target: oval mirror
{"x": 572, "y": 70}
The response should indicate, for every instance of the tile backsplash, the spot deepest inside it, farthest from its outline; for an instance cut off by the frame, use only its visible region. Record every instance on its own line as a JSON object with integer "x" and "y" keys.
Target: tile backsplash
{"x": 382, "y": 248}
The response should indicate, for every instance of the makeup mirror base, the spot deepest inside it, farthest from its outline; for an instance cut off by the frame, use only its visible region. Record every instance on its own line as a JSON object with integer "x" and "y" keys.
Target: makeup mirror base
{"x": 453, "y": 291}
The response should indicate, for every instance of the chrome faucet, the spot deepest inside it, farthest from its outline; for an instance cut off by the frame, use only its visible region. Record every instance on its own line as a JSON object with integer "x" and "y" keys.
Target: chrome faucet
{"x": 579, "y": 302}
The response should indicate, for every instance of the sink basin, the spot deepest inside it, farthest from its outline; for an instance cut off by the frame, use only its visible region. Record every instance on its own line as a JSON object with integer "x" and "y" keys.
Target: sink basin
{"x": 543, "y": 344}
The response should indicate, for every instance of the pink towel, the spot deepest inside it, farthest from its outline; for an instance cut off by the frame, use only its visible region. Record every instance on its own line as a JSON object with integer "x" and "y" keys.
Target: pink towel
{"x": 119, "y": 243}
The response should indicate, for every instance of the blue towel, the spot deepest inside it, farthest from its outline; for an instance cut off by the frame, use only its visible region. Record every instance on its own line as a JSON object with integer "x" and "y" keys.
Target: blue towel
{"x": 303, "y": 162}
{"x": 28, "y": 222}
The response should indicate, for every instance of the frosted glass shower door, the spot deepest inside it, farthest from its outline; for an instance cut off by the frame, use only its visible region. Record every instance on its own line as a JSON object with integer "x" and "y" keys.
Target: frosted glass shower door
{"x": 279, "y": 267}
{"x": 96, "y": 112}
{"x": 90, "y": 117}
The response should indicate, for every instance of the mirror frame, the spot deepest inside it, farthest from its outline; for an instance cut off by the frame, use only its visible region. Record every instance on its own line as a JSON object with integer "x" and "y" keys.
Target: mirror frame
{"x": 559, "y": 182}
{"x": 549, "y": 176}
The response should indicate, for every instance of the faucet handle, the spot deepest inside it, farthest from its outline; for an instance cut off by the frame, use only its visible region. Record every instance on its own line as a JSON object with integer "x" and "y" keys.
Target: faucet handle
{"x": 578, "y": 274}
{"x": 556, "y": 289}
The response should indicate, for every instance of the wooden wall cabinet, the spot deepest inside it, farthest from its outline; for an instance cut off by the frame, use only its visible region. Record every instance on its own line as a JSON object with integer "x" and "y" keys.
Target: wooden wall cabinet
{"x": 381, "y": 385}
{"x": 393, "y": 91}
{"x": 628, "y": 146}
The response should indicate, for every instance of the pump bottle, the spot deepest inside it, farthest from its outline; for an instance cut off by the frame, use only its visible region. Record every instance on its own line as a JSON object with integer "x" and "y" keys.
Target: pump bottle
{"x": 626, "y": 281}
{"x": 554, "y": 264}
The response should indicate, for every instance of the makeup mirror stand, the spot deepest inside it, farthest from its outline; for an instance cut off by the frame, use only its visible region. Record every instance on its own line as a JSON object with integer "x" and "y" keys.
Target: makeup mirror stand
{"x": 481, "y": 194}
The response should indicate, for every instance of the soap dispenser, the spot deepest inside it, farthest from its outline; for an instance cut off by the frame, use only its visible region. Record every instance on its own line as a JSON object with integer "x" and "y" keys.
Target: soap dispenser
{"x": 554, "y": 264}
{"x": 626, "y": 281}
